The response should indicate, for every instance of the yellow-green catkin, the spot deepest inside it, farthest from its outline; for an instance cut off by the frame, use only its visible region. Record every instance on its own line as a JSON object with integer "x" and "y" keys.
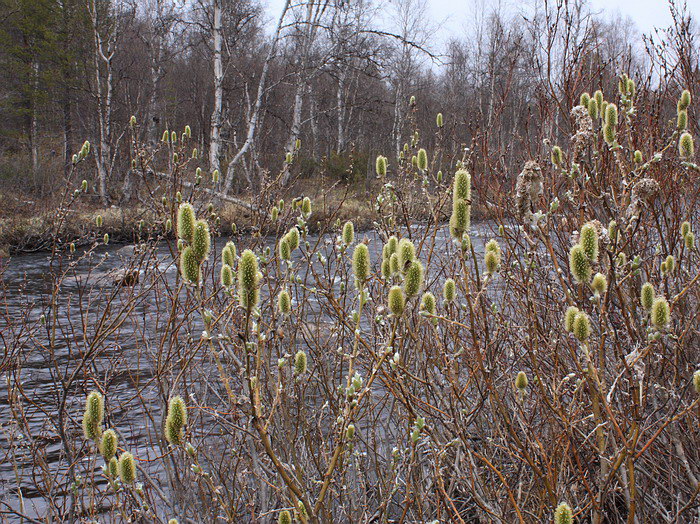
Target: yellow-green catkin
{"x": 380, "y": 166}
{"x": 306, "y": 207}
{"x": 439, "y": 120}
{"x": 589, "y": 241}
{"x": 185, "y": 221}
{"x": 396, "y": 301}
{"x": 670, "y": 263}
{"x": 460, "y": 220}
{"x": 611, "y": 115}
{"x": 284, "y": 302}
{"x": 610, "y": 126}
{"x": 490, "y": 262}
{"x": 579, "y": 264}
{"x": 582, "y": 326}
{"x": 127, "y": 468}
{"x": 92, "y": 418}
{"x": 428, "y": 303}
{"x": 696, "y": 381}
{"x": 593, "y": 109}
{"x": 394, "y": 265}
{"x": 682, "y": 120}
{"x": 449, "y": 291}
{"x": 406, "y": 252}
{"x": 189, "y": 266}
{"x": 660, "y": 313}
{"x": 98, "y": 220}
{"x": 585, "y": 98}
{"x": 248, "y": 276}
{"x": 685, "y": 228}
{"x": 492, "y": 256}
{"x": 228, "y": 254}
{"x": 563, "y": 514}
{"x": 113, "y": 468}
{"x": 521, "y": 381}
{"x": 201, "y": 240}
{"x": 300, "y": 363}
{"x": 422, "y": 159}
{"x": 413, "y": 280}
{"x": 638, "y": 157}
{"x": 684, "y": 100}
{"x": 569, "y": 318}
{"x": 557, "y": 156}
{"x": 598, "y": 95}
{"x": 689, "y": 240}
{"x": 175, "y": 420}
{"x": 386, "y": 268}
{"x": 361, "y": 264}
{"x": 108, "y": 444}
{"x": 647, "y": 296}
{"x": 348, "y": 233}
{"x": 284, "y": 517}
{"x": 686, "y": 146}
{"x": 293, "y": 238}
{"x": 609, "y": 134}
{"x": 283, "y": 249}
{"x": 599, "y": 284}
{"x": 226, "y": 276}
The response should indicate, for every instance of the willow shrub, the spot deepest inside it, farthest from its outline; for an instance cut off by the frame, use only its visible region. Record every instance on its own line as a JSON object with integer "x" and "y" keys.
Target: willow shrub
{"x": 318, "y": 378}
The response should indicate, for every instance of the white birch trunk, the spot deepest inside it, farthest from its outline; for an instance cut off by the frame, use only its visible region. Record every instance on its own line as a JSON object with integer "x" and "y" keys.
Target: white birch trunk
{"x": 215, "y": 135}
{"x": 256, "y": 108}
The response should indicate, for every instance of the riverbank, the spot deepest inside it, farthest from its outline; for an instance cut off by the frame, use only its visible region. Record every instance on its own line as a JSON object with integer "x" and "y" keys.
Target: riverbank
{"x": 30, "y": 226}
{"x": 27, "y": 226}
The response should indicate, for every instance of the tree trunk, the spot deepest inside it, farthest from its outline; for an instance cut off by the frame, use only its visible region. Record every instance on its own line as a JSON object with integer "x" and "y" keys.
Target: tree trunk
{"x": 340, "y": 108}
{"x": 215, "y": 136}
{"x": 296, "y": 125}
{"x": 256, "y": 108}
{"x": 34, "y": 123}
{"x": 67, "y": 132}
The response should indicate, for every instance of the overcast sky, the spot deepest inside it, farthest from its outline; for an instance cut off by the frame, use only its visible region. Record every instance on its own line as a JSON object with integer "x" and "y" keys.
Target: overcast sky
{"x": 453, "y": 14}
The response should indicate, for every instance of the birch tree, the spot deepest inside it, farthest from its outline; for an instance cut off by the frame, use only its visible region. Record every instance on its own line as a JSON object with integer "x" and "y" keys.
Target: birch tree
{"x": 256, "y": 107}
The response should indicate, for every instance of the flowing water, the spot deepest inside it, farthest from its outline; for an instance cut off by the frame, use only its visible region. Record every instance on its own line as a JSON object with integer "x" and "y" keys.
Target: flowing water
{"x": 31, "y": 372}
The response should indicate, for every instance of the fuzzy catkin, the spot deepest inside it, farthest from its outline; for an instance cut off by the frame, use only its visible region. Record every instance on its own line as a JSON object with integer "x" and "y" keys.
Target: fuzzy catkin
{"x": 348, "y": 233}
{"x": 660, "y": 313}
{"x": 361, "y": 264}
{"x": 599, "y": 284}
{"x": 185, "y": 222}
{"x": 300, "y": 363}
{"x": 127, "y": 468}
{"x": 201, "y": 240}
{"x": 449, "y": 290}
{"x": 563, "y": 514}
{"x": 569, "y": 317}
{"x": 428, "y": 303}
{"x": 589, "y": 242}
{"x": 248, "y": 293}
{"x": 189, "y": 266}
{"x": 647, "y": 296}
{"x": 108, "y": 444}
{"x": 284, "y": 302}
{"x": 521, "y": 381}
{"x": 406, "y": 253}
{"x": 413, "y": 279}
{"x": 396, "y": 301}
{"x": 582, "y": 326}
{"x": 579, "y": 264}
{"x": 686, "y": 146}
{"x": 226, "y": 276}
